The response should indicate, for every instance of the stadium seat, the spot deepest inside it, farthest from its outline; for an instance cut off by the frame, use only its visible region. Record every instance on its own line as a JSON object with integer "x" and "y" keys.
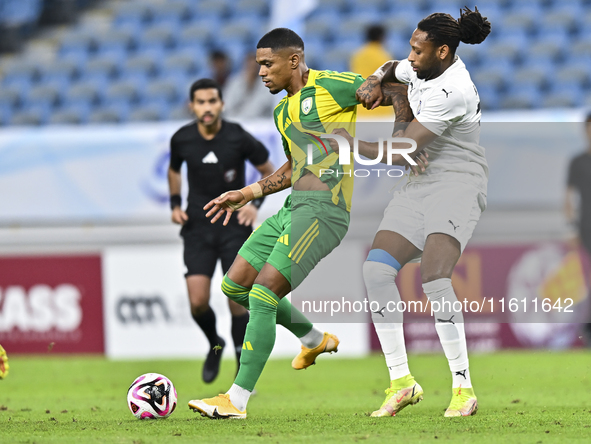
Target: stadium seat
{"x": 121, "y": 90}
{"x": 19, "y": 71}
{"x": 356, "y": 24}
{"x": 495, "y": 73}
{"x": 576, "y": 72}
{"x": 563, "y": 96}
{"x": 170, "y": 14}
{"x": 164, "y": 90}
{"x": 70, "y": 114}
{"x": 185, "y": 62}
{"x": 115, "y": 42}
{"x": 60, "y": 72}
{"x": 194, "y": 33}
{"x": 147, "y": 114}
{"x": 206, "y": 9}
{"x": 580, "y": 47}
{"x": 161, "y": 35}
{"x": 243, "y": 8}
{"x": 142, "y": 64}
{"x": 336, "y": 60}
{"x": 45, "y": 93}
{"x": 543, "y": 50}
{"x": 5, "y": 112}
{"x": 83, "y": 93}
{"x": 322, "y": 24}
{"x": 501, "y": 48}
{"x": 35, "y": 114}
{"x": 11, "y": 95}
{"x": 180, "y": 112}
{"x": 115, "y": 113}
{"x": 489, "y": 96}
{"x": 402, "y": 21}
{"x": 101, "y": 65}
{"x": 236, "y": 30}
{"x": 521, "y": 97}
{"x": 530, "y": 75}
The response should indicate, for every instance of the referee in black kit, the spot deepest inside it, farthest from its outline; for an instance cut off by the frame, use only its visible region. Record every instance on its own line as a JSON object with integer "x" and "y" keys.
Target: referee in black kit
{"x": 215, "y": 151}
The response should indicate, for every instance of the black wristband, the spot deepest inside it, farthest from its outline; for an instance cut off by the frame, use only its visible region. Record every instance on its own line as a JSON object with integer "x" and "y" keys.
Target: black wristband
{"x": 258, "y": 202}
{"x": 175, "y": 201}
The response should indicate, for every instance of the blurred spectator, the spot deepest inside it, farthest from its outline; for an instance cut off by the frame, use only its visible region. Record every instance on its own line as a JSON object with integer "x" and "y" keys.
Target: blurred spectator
{"x": 219, "y": 64}
{"x": 366, "y": 60}
{"x": 579, "y": 185}
{"x": 246, "y": 96}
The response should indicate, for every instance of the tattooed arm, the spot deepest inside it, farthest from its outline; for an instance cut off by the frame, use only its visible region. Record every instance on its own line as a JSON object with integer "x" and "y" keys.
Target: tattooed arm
{"x": 278, "y": 181}
{"x": 232, "y": 201}
{"x": 395, "y": 94}
{"x": 370, "y": 94}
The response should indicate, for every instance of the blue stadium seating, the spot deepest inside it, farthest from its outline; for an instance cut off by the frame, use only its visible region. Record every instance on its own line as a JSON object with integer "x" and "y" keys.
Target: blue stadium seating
{"x": 140, "y": 65}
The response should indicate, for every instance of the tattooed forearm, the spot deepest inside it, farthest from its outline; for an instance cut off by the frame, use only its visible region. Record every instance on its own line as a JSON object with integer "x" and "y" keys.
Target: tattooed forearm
{"x": 395, "y": 94}
{"x": 275, "y": 183}
{"x": 364, "y": 93}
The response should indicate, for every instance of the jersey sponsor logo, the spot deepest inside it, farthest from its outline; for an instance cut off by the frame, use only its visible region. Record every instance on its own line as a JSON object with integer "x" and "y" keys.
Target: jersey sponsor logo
{"x": 141, "y": 310}
{"x": 230, "y": 175}
{"x": 307, "y": 105}
{"x": 284, "y": 239}
{"x": 446, "y": 93}
{"x": 210, "y": 158}
{"x": 453, "y": 225}
{"x": 247, "y": 346}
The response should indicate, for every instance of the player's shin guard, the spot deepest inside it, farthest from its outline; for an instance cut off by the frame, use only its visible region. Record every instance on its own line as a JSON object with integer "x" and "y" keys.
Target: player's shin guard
{"x": 449, "y": 323}
{"x": 383, "y": 296}
{"x": 287, "y": 315}
{"x": 260, "y": 336}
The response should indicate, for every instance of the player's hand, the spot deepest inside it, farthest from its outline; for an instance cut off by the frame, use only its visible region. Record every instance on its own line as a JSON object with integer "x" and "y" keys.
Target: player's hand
{"x": 226, "y": 204}
{"x": 340, "y": 132}
{"x": 247, "y": 215}
{"x": 421, "y": 165}
{"x": 370, "y": 94}
{"x": 179, "y": 216}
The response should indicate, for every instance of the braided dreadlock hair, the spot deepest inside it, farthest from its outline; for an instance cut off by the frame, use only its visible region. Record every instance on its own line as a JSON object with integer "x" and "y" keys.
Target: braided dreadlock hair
{"x": 443, "y": 29}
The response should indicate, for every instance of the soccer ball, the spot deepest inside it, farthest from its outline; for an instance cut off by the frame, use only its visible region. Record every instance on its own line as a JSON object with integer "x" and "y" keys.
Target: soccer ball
{"x": 151, "y": 396}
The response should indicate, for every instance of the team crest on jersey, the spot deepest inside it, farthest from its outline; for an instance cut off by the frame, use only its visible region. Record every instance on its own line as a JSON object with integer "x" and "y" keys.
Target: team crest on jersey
{"x": 307, "y": 105}
{"x": 419, "y": 107}
{"x": 230, "y": 175}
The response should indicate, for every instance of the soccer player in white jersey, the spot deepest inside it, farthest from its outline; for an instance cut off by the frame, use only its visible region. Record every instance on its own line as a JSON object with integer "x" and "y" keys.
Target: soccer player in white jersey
{"x": 434, "y": 215}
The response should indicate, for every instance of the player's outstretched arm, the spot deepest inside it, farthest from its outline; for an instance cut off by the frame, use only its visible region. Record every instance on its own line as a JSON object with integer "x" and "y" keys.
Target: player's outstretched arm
{"x": 231, "y": 201}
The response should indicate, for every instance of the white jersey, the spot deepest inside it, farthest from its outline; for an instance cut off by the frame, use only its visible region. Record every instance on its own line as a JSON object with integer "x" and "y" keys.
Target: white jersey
{"x": 448, "y": 106}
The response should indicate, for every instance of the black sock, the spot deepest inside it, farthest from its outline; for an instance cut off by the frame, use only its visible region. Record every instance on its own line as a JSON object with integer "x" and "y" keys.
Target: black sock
{"x": 206, "y": 321}
{"x": 238, "y": 331}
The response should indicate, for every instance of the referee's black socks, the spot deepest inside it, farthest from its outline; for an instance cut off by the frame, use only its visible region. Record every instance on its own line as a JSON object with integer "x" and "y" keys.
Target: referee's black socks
{"x": 238, "y": 330}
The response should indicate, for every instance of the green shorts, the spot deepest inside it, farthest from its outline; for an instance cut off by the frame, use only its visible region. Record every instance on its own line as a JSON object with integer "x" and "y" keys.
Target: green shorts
{"x": 306, "y": 229}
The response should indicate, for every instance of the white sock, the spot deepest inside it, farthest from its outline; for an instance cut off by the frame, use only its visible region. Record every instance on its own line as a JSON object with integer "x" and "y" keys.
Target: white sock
{"x": 449, "y": 323}
{"x": 461, "y": 378}
{"x": 381, "y": 288}
{"x": 313, "y": 338}
{"x": 239, "y": 397}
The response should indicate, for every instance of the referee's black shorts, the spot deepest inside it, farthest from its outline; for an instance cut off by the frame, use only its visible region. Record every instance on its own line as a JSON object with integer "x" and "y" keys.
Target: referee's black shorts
{"x": 205, "y": 243}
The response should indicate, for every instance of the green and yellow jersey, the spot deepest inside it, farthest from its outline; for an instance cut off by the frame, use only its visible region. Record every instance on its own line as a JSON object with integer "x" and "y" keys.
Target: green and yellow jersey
{"x": 326, "y": 102}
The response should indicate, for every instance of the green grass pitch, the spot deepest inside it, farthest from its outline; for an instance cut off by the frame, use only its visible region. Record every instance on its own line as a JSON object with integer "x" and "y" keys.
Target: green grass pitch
{"x": 524, "y": 397}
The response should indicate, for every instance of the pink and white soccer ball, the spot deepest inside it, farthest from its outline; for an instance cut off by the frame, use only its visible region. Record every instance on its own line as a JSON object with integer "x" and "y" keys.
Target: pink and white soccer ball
{"x": 151, "y": 396}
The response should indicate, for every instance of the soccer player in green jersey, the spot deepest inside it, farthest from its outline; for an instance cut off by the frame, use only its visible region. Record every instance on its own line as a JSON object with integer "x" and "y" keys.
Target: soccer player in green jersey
{"x": 318, "y": 210}
{"x": 311, "y": 223}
